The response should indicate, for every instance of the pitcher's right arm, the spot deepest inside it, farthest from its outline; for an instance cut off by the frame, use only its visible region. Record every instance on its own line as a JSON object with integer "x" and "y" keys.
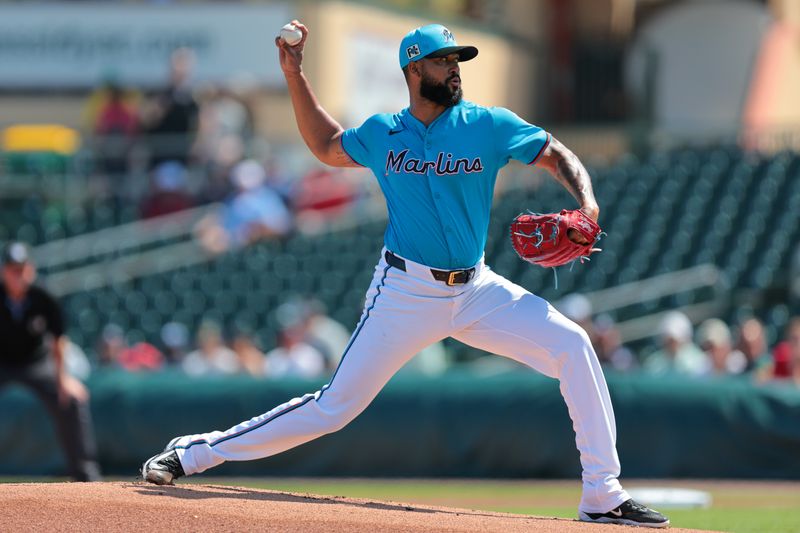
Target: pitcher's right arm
{"x": 321, "y": 133}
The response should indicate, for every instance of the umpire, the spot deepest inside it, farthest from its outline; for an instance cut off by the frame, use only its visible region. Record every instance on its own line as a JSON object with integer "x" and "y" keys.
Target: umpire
{"x": 31, "y": 330}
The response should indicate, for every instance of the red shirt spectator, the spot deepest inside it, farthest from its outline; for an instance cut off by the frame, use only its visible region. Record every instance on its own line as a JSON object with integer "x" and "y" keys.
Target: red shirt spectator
{"x": 141, "y": 357}
{"x": 116, "y": 117}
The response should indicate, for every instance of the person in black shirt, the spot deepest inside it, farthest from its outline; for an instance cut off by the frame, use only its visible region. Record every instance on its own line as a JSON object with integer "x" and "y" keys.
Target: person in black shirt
{"x": 171, "y": 115}
{"x": 32, "y": 329}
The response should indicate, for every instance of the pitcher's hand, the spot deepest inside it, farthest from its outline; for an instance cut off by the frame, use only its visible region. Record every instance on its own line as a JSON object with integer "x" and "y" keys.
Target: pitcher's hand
{"x": 291, "y": 57}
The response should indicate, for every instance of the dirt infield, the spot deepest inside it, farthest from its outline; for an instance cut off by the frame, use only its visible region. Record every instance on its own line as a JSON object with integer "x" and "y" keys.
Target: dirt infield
{"x": 114, "y": 507}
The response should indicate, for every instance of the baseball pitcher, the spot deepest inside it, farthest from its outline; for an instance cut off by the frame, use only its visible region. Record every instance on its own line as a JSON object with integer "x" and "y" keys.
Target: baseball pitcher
{"x": 436, "y": 162}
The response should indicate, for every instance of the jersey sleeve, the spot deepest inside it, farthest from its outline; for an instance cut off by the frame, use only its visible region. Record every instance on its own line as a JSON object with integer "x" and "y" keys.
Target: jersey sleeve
{"x": 517, "y": 139}
{"x": 356, "y": 142}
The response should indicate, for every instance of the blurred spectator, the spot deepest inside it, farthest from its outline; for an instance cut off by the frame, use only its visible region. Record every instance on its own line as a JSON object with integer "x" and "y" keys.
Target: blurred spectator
{"x": 319, "y": 330}
{"x": 752, "y": 343}
{"x": 110, "y": 344}
{"x": 170, "y": 116}
{"x": 168, "y": 193}
{"x": 602, "y": 332}
{"x": 785, "y": 365}
{"x": 115, "y": 128}
{"x": 34, "y": 354}
{"x": 320, "y": 196}
{"x": 251, "y": 358}
{"x": 117, "y": 114}
{"x": 224, "y": 115}
{"x": 326, "y": 334}
{"x": 211, "y": 355}
{"x": 141, "y": 357}
{"x": 97, "y": 99}
{"x": 255, "y": 211}
{"x": 226, "y": 155}
{"x": 678, "y": 354}
{"x": 607, "y": 343}
{"x": 175, "y": 337}
{"x": 714, "y": 338}
{"x": 294, "y": 357}
{"x": 226, "y": 127}
{"x": 252, "y": 213}
{"x": 113, "y": 352}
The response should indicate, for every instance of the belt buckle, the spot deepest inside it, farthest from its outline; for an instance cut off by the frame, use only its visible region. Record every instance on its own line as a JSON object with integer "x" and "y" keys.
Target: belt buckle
{"x": 451, "y": 278}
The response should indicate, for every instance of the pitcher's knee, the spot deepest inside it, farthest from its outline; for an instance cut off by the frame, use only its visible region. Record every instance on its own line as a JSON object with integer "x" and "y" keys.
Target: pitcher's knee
{"x": 336, "y": 415}
{"x": 336, "y": 420}
{"x": 339, "y": 422}
{"x": 575, "y": 343}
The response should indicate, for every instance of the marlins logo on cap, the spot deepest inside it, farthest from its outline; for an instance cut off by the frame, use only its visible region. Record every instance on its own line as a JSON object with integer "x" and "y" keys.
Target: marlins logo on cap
{"x": 433, "y": 40}
{"x": 412, "y": 51}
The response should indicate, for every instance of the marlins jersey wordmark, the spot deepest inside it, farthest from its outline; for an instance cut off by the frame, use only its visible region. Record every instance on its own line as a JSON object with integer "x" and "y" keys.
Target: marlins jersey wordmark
{"x": 443, "y": 165}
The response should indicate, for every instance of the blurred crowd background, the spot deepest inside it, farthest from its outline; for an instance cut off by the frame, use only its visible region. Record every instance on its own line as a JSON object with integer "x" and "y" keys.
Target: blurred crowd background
{"x": 151, "y": 160}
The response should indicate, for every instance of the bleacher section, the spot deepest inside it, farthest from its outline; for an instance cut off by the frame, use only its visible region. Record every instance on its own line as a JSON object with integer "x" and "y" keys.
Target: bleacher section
{"x": 35, "y": 220}
{"x": 670, "y": 211}
{"x": 239, "y": 290}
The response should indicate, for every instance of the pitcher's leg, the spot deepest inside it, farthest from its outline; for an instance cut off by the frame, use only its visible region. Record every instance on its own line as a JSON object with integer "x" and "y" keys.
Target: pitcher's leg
{"x": 387, "y": 336}
{"x": 529, "y": 330}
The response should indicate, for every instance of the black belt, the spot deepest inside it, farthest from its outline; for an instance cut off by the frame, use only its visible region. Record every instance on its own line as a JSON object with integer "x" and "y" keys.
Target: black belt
{"x": 450, "y": 277}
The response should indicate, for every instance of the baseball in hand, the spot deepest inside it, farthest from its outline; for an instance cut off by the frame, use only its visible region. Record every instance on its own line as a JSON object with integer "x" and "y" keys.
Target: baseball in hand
{"x": 291, "y": 34}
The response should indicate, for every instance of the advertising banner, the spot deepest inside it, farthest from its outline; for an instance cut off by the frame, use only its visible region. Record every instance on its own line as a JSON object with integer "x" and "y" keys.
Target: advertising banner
{"x": 78, "y": 45}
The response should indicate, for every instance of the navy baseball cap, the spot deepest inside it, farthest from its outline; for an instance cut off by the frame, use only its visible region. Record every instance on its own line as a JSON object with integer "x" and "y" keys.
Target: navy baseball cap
{"x": 433, "y": 40}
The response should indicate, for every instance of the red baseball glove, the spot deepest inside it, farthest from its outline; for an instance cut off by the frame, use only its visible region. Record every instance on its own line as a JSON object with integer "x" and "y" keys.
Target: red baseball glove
{"x": 543, "y": 239}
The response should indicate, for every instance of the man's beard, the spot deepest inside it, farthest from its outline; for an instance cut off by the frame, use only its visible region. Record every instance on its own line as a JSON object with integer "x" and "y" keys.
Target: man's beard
{"x": 440, "y": 93}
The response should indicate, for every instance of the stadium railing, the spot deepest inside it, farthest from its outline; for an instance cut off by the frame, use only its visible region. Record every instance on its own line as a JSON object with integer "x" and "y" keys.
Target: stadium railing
{"x": 121, "y": 253}
{"x": 702, "y": 282}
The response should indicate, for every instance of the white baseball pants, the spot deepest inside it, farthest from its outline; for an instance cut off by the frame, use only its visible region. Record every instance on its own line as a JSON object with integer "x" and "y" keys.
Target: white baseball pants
{"x": 403, "y": 313}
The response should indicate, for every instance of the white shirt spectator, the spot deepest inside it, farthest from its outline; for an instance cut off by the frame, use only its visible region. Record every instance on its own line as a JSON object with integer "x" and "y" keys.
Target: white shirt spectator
{"x": 221, "y": 360}
{"x": 299, "y": 360}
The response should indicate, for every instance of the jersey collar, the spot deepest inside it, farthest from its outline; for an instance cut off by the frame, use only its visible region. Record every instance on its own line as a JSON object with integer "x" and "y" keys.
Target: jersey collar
{"x": 413, "y": 123}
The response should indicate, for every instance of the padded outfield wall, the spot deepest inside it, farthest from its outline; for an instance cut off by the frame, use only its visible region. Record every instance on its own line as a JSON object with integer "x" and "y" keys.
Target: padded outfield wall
{"x": 510, "y": 425}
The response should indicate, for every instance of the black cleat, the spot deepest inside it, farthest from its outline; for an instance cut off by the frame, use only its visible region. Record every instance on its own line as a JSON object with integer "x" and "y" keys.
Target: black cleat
{"x": 629, "y": 513}
{"x": 163, "y": 468}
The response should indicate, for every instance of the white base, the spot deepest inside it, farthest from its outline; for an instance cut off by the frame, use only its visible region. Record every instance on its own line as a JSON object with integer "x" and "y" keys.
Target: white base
{"x": 671, "y": 498}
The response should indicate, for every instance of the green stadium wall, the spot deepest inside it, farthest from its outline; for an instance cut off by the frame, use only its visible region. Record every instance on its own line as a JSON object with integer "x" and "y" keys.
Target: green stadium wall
{"x": 511, "y": 425}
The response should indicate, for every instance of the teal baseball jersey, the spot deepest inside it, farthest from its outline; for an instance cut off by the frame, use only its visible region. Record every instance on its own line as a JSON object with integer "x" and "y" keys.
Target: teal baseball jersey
{"x": 439, "y": 180}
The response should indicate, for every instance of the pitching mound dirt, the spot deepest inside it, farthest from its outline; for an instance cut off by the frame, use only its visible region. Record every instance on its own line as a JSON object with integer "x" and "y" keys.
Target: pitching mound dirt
{"x": 113, "y": 507}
